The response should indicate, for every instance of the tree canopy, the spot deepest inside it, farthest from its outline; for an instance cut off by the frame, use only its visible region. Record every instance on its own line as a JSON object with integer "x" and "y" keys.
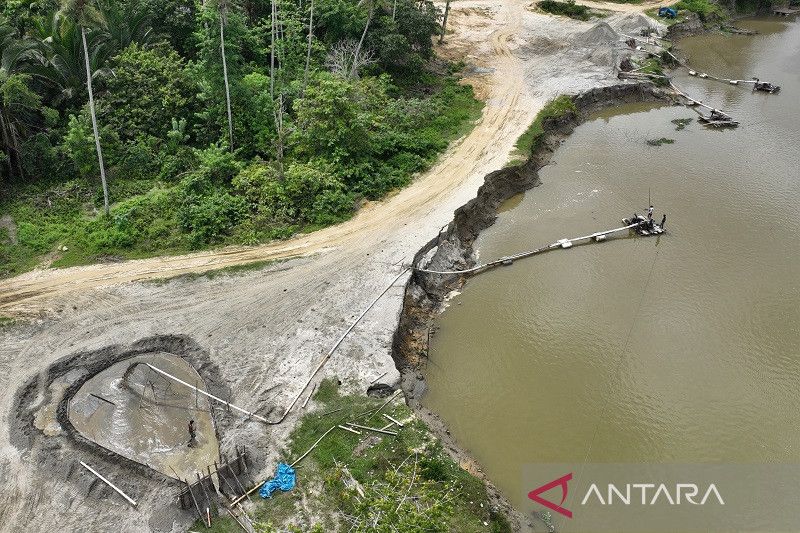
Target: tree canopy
{"x": 284, "y": 128}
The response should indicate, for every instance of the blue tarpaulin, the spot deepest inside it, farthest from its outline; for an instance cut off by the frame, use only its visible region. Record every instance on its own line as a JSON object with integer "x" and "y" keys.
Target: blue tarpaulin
{"x": 283, "y": 480}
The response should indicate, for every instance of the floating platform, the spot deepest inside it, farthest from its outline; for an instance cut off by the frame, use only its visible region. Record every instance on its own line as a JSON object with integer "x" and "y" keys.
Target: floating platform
{"x": 784, "y": 11}
{"x": 766, "y": 87}
{"x": 643, "y": 226}
{"x": 719, "y": 120}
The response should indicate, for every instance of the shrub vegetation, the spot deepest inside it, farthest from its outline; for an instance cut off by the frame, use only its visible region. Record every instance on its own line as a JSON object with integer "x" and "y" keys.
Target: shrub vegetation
{"x": 568, "y": 9}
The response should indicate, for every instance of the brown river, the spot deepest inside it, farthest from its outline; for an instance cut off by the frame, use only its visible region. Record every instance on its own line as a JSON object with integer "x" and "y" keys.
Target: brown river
{"x": 678, "y": 349}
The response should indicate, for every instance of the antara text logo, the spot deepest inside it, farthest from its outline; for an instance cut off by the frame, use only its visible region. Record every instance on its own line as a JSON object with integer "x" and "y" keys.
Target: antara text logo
{"x": 644, "y": 494}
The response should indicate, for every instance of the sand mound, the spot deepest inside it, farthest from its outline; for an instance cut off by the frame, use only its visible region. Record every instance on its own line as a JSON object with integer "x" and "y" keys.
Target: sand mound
{"x": 600, "y": 34}
{"x": 633, "y": 23}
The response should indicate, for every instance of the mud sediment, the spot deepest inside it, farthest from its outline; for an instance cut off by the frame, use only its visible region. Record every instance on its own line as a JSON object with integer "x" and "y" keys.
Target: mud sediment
{"x": 453, "y": 249}
{"x": 54, "y": 454}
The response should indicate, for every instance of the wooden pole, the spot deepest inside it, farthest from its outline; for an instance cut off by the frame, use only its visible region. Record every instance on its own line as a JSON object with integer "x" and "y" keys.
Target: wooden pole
{"x": 107, "y": 482}
{"x": 237, "y": 519}
{"x": 208, "y": 498}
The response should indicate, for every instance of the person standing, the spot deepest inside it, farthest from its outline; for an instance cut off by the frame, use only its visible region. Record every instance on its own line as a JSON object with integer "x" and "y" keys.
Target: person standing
{"x": 192, "y": 434}
{"x": 650, "y": 213}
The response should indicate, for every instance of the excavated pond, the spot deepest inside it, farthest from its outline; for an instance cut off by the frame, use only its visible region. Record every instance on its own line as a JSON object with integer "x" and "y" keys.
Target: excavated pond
{"x": 130, "y": 409}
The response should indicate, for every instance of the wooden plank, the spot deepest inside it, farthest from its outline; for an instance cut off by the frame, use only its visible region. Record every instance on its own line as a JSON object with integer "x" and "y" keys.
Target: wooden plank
{"x": 196, "y": 505}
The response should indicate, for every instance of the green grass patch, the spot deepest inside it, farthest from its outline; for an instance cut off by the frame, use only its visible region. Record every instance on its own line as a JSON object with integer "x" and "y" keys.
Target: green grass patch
{"x": 529, "y": 141}
{"x": 6, "y": 321}
{"x": 446, "y": 498}
{"x": 568, "y": 9}
{"x": 705, "y": 9}
{"x": 681, "y": 123}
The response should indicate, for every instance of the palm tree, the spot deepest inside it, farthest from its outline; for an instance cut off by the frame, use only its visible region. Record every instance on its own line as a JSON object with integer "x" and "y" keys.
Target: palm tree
{"x": 63, "y": 68}
{"x": 223, "y": 8}
{"x": 84, "y": 14}
{"x": 308, "y": 51}
{"x": 17, "y": 101}
{"x": 125, "y": 26}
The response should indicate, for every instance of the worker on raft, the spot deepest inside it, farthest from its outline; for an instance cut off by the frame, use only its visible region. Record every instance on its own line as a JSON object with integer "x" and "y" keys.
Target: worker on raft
{"x": 650, "y": 213}
{"x": 663, "y": 221}
{"x": 192, "y": 434}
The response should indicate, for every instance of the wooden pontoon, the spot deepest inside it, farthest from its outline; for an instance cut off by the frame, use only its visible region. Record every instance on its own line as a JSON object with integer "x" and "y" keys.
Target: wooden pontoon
{"x": 718, "y": 119}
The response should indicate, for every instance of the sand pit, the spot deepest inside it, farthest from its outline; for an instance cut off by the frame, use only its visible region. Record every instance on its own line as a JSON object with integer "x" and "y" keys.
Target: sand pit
{"x": 131, "y": 410}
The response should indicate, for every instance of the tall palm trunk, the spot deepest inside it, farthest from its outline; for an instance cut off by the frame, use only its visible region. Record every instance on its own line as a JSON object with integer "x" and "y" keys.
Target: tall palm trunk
{"x": 308, "y": 50}
{"x": 444, "y": 22}
{"x": 272, "y": 53}
{"x": 94, "y": 120}
{"x": 9, "y": 140}
{"x": 225, "y": 77}
{"x": 357, "y": 53}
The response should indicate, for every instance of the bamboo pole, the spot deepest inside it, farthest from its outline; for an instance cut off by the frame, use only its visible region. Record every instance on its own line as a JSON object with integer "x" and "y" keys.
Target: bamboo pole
{"x": 377, "y": 430}
{"x": 351, "y": 430}
{"x": 107, "y": 482}
{"x": 392, "y": 419}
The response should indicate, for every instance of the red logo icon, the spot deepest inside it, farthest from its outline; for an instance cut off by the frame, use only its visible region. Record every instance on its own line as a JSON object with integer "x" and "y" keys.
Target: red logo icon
{"x": 560, "y": 482}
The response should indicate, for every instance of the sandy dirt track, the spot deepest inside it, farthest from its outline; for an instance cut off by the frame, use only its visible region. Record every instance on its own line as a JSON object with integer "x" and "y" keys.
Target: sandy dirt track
{"x": 267, "y": 329}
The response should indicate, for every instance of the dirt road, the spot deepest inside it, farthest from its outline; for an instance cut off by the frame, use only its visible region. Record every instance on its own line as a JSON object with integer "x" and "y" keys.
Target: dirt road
{"x": 267, "y": 329}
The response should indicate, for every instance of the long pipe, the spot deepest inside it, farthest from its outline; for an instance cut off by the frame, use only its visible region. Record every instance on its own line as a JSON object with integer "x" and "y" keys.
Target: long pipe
{"x": 107, "y": 482}
{"x": 338, "y": 342}
{"x": 524, "y": 254}
{"x": 178, "y": 380}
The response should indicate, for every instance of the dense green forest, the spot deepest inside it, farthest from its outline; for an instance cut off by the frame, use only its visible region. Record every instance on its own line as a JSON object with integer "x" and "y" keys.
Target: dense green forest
{"x": 136, "y": 127}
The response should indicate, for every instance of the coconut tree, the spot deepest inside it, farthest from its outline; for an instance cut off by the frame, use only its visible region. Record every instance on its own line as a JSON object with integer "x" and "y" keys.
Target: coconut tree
{"x": 63, "y": 69}
{"x": 223, "y": 8}
{"x": 86, "y": 15}
{"x": 308, "y": 50}
{"x": 17, "y": 101}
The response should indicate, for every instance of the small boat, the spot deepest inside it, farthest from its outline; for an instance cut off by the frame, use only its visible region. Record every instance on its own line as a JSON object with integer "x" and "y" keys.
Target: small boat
{"x": 766, "y": 87}
{"x": 644, "y": 226}
{"x": 718, "y": 119}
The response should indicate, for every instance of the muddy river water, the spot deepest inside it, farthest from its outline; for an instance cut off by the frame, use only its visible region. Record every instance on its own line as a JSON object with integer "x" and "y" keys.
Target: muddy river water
{"x": 678, "y": 349}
